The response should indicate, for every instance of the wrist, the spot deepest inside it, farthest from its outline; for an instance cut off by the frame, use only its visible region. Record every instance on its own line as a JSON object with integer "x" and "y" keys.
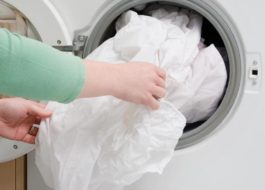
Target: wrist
{"x": 2, "y": 106}
{"x": 113, "y": 80}
{"x": 101, "y": 79}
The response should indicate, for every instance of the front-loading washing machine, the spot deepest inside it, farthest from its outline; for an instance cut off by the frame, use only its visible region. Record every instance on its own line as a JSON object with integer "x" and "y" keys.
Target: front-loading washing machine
{"x": 223, "y": 152}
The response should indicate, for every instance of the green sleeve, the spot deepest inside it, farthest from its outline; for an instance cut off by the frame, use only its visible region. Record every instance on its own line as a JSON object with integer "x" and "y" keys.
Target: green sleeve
{"x": 33, "y": 70}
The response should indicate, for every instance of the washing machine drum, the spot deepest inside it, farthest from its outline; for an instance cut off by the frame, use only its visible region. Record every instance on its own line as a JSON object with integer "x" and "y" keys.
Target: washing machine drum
{"x": 217, "y": 29}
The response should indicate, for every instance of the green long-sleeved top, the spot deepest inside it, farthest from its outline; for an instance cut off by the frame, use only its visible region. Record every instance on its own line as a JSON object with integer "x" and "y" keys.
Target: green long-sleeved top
{"x": 34, "y": 70}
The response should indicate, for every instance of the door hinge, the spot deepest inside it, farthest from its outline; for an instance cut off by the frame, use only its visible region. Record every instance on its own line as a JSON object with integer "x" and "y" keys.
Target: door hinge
{"x": 77, "y": 48}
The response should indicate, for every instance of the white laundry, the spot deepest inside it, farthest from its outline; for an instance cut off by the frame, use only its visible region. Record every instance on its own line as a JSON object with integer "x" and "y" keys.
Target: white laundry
{"x": 105, "y": 143}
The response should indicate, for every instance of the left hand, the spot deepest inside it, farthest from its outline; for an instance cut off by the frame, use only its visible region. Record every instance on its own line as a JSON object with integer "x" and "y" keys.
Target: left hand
{"x": 17, "y": 117}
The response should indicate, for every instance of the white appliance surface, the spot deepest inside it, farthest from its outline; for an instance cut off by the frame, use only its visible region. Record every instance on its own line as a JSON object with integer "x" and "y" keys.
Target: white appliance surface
{"x": 233, "y": 157}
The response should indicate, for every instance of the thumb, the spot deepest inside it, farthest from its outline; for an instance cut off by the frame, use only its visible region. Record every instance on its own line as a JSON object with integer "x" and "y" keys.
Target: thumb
{"x": 38, "y": 111}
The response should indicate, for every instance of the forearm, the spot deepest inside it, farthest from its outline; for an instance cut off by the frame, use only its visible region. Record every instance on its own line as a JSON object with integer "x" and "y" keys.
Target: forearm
{"x": 31, "y": 69}
{"x": 136, "y": 82}
{"x": 100, "y": 79}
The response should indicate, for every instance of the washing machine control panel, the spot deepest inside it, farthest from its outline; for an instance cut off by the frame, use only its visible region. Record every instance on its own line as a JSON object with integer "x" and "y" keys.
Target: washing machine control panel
{"x": 253, "y": 72}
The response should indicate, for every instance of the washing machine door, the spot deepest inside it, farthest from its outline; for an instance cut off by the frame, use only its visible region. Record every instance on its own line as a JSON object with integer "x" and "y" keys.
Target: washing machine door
{"x": 41, "y": 21}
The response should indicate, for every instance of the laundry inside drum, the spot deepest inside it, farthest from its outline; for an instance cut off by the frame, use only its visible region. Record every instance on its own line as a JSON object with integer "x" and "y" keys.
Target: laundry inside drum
{"x": 209, "y": 35}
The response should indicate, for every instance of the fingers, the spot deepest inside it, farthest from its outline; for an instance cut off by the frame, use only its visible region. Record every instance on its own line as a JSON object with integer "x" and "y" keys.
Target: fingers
{"x": 153, "y": 103}
{"x": 25, "y": 132}
{"x": 33, "y": 131}
{"x": 29, "y": 139}
{"x": 38, "y": 111}
{"x": 158, "y": 92}
{"x": 160, "y": 82}
{"x": 161, "y": 73}
{"x": 37, "y": 120}
{"x": 38, "y": 104}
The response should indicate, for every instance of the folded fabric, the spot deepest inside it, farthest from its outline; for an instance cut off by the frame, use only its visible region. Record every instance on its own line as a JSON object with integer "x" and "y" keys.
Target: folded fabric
{"x": 104, "y": 143}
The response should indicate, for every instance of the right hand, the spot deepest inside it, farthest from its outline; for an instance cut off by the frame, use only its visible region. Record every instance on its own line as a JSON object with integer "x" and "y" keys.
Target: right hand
{"x": 141, "y": 83}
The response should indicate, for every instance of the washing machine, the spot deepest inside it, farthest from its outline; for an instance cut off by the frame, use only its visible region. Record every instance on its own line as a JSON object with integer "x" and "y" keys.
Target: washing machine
{"x": 225, "y": 151}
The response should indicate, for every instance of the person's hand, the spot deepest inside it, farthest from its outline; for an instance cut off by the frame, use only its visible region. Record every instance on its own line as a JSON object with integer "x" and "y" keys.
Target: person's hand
{"x": 141, "y": 83}
{"x": 17, "y": 117}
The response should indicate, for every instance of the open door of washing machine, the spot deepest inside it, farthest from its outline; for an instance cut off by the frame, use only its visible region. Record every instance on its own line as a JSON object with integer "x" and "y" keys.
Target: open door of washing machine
{"x": 217, "y": 29}
{"x": 33, "y": 21}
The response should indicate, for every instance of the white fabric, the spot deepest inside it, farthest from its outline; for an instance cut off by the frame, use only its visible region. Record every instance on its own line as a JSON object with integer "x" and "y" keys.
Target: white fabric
{"x": 92, "y": 142}
{"x": 102, "y": 143}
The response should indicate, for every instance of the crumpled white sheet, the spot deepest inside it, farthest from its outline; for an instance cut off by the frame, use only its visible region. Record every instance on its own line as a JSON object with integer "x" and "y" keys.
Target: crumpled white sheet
{"x": 104, "y": 143}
